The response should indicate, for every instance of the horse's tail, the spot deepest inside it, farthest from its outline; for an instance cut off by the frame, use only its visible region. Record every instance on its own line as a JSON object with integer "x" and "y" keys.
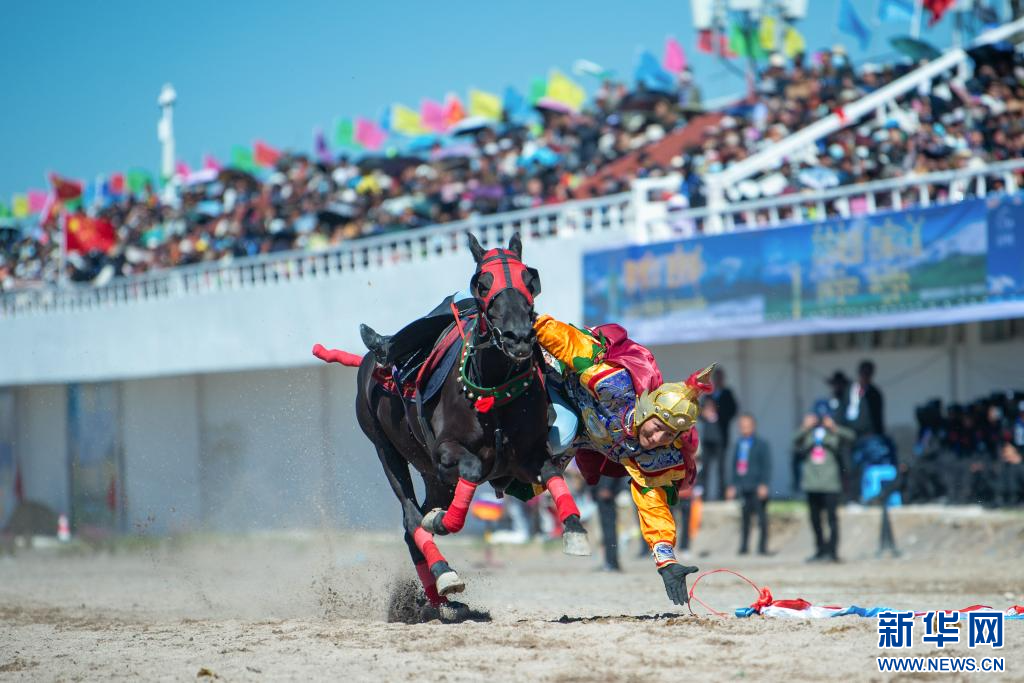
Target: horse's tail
{"x": 337, "y": 356}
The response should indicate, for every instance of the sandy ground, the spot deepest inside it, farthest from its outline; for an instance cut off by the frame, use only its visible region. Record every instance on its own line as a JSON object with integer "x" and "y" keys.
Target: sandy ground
{"x": 313, "y": 605}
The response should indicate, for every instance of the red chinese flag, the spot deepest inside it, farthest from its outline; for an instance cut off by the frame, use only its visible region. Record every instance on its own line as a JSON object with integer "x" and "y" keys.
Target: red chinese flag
{"x": 84, "y": 234}
{"x": 65, "y": 188}
{"x": 704, "y": 43}
{"x": 265, "y": 155}
{"x": 117, "y": 183}
{"x": 937, "y": 8}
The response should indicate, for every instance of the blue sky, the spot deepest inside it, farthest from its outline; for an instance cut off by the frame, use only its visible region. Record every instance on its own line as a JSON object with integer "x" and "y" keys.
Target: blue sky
{"x": 80, "y": 79}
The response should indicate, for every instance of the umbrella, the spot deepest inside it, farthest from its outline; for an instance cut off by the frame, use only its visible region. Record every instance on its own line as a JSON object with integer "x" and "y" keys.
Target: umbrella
{"x": 548, "y": 104}
{"x": 471, "y": 125}
{"x": 914, "y": 48}
{"x": 543, "y": 156}
{"x": 643, "y": 100}
{"x": 422, "y": 143}
{"x": 337, "y": 213}
{"x": 229, "y": 176}
{"x": 460, "y": 150}
{"x": 391, "y": 165}
{"x": 818, "y": 178}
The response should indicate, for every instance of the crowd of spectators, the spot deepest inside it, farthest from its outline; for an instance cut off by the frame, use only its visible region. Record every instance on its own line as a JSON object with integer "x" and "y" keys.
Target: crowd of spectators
{"x": 308, "y": 204}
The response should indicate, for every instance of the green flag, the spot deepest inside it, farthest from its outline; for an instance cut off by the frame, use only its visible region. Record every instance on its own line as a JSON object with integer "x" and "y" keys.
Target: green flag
{"x": 538, "y": 88}
{"x": 737, "y": 41}
{"x": 4, "y": 211}
{"x": 137, "y": 180}
{"x": 344, "y": 133}
{"x": 242, "y": 159}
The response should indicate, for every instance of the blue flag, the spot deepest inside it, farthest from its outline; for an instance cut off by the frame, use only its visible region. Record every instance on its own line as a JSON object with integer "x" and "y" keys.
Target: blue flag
{"x": 850, "y": 23}
{"x": 895, "y": 10}
{"x": 652, "y": 74}
{"x": 513, "y": 103}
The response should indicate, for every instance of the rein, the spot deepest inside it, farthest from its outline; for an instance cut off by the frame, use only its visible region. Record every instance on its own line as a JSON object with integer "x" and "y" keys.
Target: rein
{"x": 485, "y": 398}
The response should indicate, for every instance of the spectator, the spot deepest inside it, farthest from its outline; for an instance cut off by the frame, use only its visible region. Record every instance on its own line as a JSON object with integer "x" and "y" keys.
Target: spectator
{"x": 751, "y": 477}
{"x": 1007, "y": 477}
{"x": 604, "y": 493}
{"x": 726, "y": 405}
{"x": 864, "y": 413}
{"x": 712, "y": 449}
{"x": 818, "y": 446}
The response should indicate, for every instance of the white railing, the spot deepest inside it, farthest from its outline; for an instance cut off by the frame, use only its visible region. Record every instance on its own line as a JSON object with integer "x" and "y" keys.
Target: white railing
{"x": 570, "y": 219}
{"x": 718, "y": 183}
{"x": 655, "y": 222}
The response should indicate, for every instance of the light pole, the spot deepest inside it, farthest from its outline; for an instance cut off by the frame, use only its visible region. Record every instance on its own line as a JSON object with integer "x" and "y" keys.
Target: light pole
{"x": 165, "y": 130}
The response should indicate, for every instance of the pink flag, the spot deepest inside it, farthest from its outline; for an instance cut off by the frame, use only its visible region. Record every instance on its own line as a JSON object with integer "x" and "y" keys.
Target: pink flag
{"x": 675, "y": 58}
{"x": 182, "y": 169}
{"x": 370, "y": 135}
{"x": 210, "y": 162}
{"x": 36, "y": 201}
{"x": 432, "y": 115}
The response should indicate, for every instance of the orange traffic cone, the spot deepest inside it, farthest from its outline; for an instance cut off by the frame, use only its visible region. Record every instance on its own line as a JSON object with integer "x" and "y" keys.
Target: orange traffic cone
{"x": 63, "y": 529}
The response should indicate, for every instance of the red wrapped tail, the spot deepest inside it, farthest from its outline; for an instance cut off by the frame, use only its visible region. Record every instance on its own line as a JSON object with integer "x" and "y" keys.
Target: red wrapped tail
{"x": 337, "y": 356}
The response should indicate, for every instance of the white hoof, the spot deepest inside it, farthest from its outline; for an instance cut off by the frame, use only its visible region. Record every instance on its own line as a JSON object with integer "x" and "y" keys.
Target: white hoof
{"x": 449, "y": 583}
{"x": 575, "y": 543}
{"x": 428, "y": 519}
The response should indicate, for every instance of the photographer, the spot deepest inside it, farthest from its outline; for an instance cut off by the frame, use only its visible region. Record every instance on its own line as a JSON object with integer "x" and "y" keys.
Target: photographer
{"x": 818, "y": 447}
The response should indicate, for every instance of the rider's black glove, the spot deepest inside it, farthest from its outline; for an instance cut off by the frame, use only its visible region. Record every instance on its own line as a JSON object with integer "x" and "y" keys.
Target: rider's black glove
{"x": 674, "y": 576}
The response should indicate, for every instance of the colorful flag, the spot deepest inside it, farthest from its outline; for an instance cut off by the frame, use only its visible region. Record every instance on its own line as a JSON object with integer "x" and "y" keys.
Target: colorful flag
{"x": 84, "y": 234}
{"x": 242, "y": 159}
{"x": 895, "y": 10}
{"x": 675, "y": 58}
{"x": 65, "y": 188}
{"x": 453, "y": 111}
{"x": 851, "y": 24}
{"x": 117, "y": 183}
{"x": 793, "y": 43}
{"x": 652, "y": 75}
{"x": 344, "y": 133}
{"x": 19, "y": 205}
{"x": 585, "y": 67}
{"x": 323, "y": 152}
{"x": 265, "y": 155}
{"x": 564, "y": 90}
{"x": 513, "y": 102}
{"x": 538, "y": 89}
{"x": 139, "y": 180}
{"x": 211, "y": 163}
{"x": 723, "y": 47}
{"x": 4, "y": 211}
{"x": 180, "y": 168}
{"x": 745, "y": 42}
{"x": 36, "y": 201}
{"x": 766, "y": 33}
{"x": 369, "y": 134}
{"x": 705, "y": 41}
{"x": 406, "y": 121}
{"x": 432, "y": 116}
{"x": 485, "y": 105}
{"x": 937, "y": 8}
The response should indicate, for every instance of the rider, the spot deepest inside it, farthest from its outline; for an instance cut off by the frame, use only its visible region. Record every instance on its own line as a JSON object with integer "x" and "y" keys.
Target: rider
{"x": 632, "y": 423}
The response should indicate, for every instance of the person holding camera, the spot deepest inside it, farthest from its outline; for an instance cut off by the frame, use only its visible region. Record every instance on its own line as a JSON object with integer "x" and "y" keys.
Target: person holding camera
{"x": 818, "y": 446}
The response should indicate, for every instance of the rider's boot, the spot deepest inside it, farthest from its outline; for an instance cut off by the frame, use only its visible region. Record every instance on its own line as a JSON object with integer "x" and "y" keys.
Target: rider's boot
{"x": 377, "y": 343}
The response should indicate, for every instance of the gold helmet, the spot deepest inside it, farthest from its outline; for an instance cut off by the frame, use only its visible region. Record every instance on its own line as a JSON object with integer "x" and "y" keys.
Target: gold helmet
{"x": 674, "y": 403}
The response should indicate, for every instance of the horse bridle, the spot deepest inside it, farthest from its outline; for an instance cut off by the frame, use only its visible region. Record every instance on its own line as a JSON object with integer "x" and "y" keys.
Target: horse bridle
{"x": 508, "y": 272}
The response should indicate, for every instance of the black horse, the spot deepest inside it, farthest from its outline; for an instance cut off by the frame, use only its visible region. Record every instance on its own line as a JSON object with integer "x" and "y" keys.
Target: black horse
{"x": 488, "y": 423}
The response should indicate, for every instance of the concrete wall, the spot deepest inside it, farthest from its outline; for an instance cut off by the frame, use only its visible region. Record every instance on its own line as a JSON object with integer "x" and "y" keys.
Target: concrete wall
{"x": 41, "y": 444}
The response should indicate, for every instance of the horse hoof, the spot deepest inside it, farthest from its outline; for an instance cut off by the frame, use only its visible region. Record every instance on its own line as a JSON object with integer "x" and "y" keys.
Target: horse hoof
{"x": 449, "y": 583}
{"x": 432, "y": 522}
{"x": 575, "y": 543}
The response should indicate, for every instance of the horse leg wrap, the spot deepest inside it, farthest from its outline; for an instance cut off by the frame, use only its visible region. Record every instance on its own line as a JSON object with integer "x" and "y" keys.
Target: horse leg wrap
{"x": 425, "y": 542}
{"x": 455, "y": 517}
{"x": 429, "y": 584}
{"x": 445, "y": 578}
{"x": 564, "y": 503}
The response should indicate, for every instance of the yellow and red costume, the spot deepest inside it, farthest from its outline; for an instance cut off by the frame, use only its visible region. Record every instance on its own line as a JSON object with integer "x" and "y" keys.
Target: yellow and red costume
{"x": 613, "y": 384}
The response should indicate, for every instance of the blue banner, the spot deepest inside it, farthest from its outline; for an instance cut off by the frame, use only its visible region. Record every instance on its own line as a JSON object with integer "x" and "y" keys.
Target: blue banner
{"x": 923, "y": 266}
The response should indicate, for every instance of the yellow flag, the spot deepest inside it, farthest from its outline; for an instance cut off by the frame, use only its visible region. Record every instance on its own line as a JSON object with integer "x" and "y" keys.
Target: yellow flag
{"x": 20, "y": 205}
{"x": 485, "y": 105}
{"x": 563, "y": 89}
{"x": 793, "y": 43}
{"x": 406, "y": 121}
{"x": 766, "y": 33}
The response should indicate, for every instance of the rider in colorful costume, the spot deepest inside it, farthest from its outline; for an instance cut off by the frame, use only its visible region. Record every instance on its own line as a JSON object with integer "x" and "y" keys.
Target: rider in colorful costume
{"x": 632, "y": 423}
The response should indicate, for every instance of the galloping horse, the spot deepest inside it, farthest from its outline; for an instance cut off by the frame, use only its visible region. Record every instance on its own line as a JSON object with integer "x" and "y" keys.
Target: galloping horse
{"x": 488, "y": 422}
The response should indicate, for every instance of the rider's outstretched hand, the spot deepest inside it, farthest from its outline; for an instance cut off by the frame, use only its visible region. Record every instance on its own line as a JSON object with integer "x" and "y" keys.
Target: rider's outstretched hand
{"x": 674, "y": 576}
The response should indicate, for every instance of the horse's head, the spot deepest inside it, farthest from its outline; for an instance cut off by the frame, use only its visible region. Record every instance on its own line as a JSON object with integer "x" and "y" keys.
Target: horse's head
{"x": 504, "y": 289}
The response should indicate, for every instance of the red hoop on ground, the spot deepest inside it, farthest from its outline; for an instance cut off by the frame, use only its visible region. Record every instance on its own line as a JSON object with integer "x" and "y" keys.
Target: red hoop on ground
{"x": 764, "y": 596}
